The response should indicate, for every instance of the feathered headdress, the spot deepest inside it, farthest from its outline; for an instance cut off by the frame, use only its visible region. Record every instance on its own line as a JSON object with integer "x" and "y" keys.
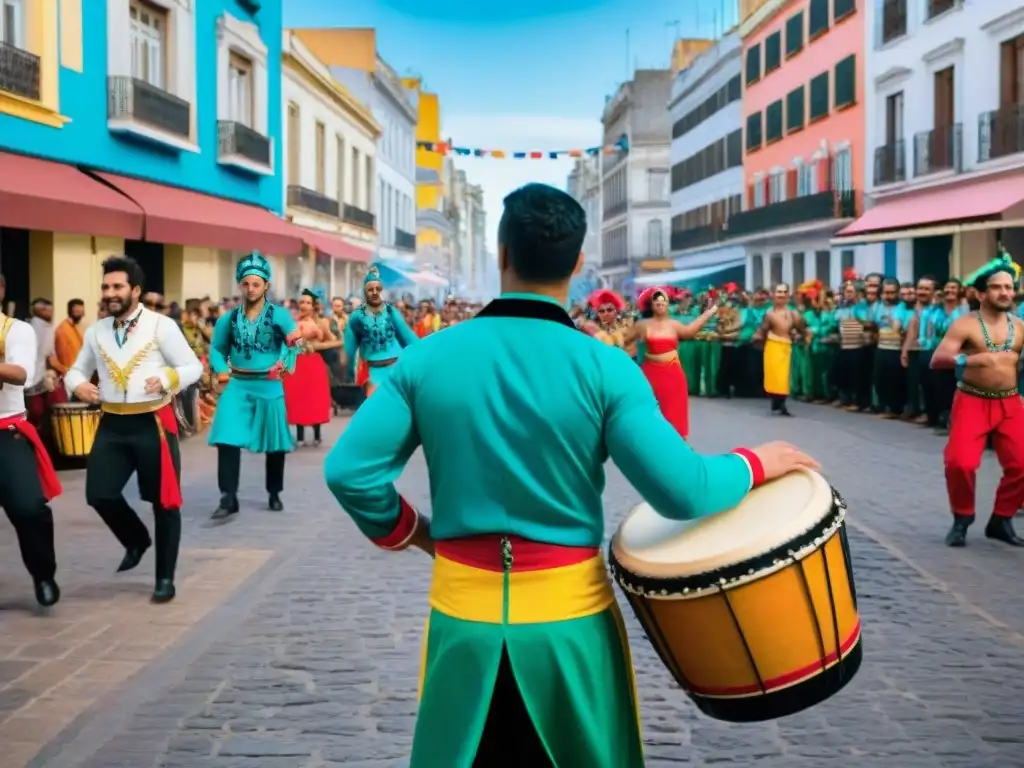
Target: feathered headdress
{"x": 253, "y": 264}
{"x": 645, "y": 299}
{"x": 730, "y": 289}
{"x": 1002, "y": 263}
{"x": 850, "y": 275}
{"x": 810, "y": 288}
{"x": 372, "y": 276}
{"x": 605, "y": 296}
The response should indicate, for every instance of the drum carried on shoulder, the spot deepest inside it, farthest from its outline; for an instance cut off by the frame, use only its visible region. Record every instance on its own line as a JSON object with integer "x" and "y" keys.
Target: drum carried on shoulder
{"x": 753, "y": 611}
{"x": 74, "y": 428}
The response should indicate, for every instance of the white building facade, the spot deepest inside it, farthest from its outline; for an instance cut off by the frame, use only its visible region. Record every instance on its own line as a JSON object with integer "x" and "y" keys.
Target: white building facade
{"x": 330, "y": 172}
{"x": 707, "y": 158}
{"x": 945, "y": 125}
{"x": 635, "y": 179}
{"x": 584, "y": 184}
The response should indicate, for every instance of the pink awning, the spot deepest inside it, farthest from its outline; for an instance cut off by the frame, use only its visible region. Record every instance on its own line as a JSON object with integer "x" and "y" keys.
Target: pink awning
{"x": 334, "y": 246}
{"x": 952, "y": 203}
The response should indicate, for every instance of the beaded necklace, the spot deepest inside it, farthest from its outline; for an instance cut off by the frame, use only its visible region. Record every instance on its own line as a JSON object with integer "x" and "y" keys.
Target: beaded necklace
{"x": 1007, "y": 345}
{"x": 127, "y": 327}
{"x": 247, "y": 331}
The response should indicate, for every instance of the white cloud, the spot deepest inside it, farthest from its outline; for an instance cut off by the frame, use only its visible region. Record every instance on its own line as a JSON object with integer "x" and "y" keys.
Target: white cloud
{"x": 516, "y": 133}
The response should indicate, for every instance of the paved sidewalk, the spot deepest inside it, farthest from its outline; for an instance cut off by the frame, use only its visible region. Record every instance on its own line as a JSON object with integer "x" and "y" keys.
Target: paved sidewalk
{"x": 295, "y": 644}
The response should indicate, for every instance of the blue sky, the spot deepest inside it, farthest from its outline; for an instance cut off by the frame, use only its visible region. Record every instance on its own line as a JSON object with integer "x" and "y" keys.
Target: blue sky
{"x": 530, "y": 75}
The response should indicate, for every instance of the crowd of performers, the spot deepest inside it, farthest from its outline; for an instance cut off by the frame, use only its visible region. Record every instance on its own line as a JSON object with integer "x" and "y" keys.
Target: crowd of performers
{"x": 875, "y": 346}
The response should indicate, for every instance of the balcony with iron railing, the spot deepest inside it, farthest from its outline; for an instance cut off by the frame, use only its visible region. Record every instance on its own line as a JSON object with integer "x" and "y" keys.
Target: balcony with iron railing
{"x": 805, "y": 209}
{"x": 134, "y": 101}
{"x": 615, "y": 209}
{"x": 1001, "y": 132}
{"x": 19, "y": 72}
{"x": 890, "y": 163}
{"x": 891, "y": 21}
{"x": 695, "y": 237}
{"x": 939, "y": 149}
{"x": 357, "y": 216}
{"x": 236, "y": 140}
{"x": 405, "y": 241}
{"x": 311, "y": 200}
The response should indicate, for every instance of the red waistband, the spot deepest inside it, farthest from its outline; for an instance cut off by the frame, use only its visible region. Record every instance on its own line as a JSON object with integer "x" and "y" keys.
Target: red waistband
{"x": 484, "y": 552}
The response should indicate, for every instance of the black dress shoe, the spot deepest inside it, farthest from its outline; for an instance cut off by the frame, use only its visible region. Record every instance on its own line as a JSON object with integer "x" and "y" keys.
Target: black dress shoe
{"x": 275, "y": 503}
{"x": 132, "y": 557}
{"x": 164, "y": 591}
{"x": 957, "y": 536}
{"x": 47, "y": 592}
{"x": 1001, "y": 529}
{"x": 228, "y": 506}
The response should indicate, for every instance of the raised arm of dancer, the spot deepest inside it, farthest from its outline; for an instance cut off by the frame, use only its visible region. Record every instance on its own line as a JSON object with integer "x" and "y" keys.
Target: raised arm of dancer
{"x": 694, "y": 327}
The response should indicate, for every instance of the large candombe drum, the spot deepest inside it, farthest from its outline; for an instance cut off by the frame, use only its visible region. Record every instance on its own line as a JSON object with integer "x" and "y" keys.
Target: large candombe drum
{"x": 753, "y": 611}
{"x": 74, "y": 428}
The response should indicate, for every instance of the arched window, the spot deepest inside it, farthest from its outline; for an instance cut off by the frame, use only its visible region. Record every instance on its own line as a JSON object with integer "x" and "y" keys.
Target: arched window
{"x": 655, "y": 244}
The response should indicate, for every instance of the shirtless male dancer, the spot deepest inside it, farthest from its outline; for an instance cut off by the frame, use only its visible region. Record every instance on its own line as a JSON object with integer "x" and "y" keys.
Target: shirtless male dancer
{"x": 777, "y": 330}
{"x": 983, "y": 348}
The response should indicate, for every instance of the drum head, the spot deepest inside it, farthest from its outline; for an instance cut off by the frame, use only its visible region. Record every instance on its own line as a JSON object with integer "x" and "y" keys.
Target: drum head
{"x": 70, "y": 406}
{"x": 648, "y": 544}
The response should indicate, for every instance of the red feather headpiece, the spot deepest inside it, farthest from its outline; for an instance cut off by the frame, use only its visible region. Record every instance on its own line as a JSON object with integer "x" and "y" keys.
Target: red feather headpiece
{"x": 643, "y": 302}
{"x": 850, "y": 275}
{"x": 605, "y": 296}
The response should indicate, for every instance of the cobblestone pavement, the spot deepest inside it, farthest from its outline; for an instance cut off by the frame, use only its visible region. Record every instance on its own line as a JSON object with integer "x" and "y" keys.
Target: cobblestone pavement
{"x": 295, "y": 644}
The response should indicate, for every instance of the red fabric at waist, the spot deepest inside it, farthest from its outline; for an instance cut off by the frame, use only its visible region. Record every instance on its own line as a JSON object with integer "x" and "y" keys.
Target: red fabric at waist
{"x": 484, "y": 552}
{"x": 661, "y": 346}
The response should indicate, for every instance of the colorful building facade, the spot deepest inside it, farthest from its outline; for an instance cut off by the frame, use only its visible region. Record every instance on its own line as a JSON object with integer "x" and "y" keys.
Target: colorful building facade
{"x": 804, "y": 152}
{"x": 147, "y": 127}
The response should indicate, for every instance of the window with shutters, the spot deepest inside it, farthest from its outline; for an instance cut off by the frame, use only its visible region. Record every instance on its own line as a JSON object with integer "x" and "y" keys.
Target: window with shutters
{"x": 12, "y": 23}
{"x": 819, "y": 96}
{"x": 758, "y": 196}
{"x": 757, "y": 270}
{"x": 845, "y": 261}
{"x": 777, "y": 187}
{"x": 734, "y": 90}
{"x": 798, "y": 268}
{"x": 842, "y": 8}
{"x": 795, "y": 34}
{"x": 806, "y": 178}
{"x": 846, "y": 82}
{"x": 753, "y": 64}
{"x": 795, "y": 110}
{"x": 776, "y": 269}
{"x": 772, "y": 52}
{"x": 823, "y": 266}
{"x": 773, "y": 122}
{"x": 1011, "y": 72}
{"x": 754, "y": 137}
{"x": 734, "y": 149}
{"x": 818, "y": 21}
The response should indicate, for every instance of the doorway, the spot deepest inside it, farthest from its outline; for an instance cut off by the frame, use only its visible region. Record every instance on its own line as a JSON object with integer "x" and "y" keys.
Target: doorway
{"x": 14, "y": 268}
{"x": 151, "y": 258}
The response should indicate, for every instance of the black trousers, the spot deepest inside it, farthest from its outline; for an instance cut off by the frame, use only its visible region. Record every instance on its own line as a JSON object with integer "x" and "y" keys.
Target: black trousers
{"x": 753, "y": 365}
{"x": 915, "y": 383}
{"x": 300, "y": 432}
{"x": 127, "y": 445}
{"x": 890, "y": 379}
{"x": 731, "y": 371}
{"x": 943, "y": 386}
{"x": 229, "y": 470}
{"x": 509, "y": 737}
{"x": 21, "y": 496}
{"x": 847, "y": 374}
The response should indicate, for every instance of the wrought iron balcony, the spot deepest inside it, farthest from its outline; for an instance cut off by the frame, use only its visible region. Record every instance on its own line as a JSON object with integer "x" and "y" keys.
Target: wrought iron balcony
{"x": 405, "y": 240}
{"x": 1001, "y": 132}
{"x": 696, "y": 236}
{"x": 238, "y": 140}
{"x": 19, "y": 72}
{"x": 301, "y": 197}
{"x": 798, "y": 210}
{"x": 358, "y": 216}
{"x": 134, "y": 100}
{"x": 891, "y": 163}
{"x": 616, "y": 209}
{"x": 939, "y": 149}
{"x": 891, "y": 21}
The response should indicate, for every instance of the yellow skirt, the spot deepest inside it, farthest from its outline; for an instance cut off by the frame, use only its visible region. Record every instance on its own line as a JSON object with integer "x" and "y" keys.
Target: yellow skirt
{"x": 778, "y": 352}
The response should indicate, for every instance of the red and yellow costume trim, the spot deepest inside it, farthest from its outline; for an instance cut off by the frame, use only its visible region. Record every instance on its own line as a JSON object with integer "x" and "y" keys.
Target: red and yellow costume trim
{"x": 47, "y": 474}
{"x": 404, "y": 530}
{"x": 754, "y": 462}
{"x": 166, "y": 424}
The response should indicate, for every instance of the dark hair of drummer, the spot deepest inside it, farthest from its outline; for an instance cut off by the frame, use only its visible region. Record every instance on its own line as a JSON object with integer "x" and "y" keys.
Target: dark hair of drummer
{"x": 648, "y": 311}
{"x": 540, "y": 237}
{"x": 128, "y": 265}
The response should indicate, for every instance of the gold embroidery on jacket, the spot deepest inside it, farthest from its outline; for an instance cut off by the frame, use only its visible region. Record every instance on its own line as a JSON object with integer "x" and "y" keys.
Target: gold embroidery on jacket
{"x": 120, "y": 375}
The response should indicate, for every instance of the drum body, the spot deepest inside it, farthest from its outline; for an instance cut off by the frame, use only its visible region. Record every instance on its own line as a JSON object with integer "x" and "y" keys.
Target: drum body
{"x": 186, "y": 409}
{"x": 74, "y": 428}
{"x": 754, "y": 611}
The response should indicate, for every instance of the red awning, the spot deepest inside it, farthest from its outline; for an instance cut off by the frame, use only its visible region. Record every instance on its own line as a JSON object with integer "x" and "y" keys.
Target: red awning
{"x": 952, "y": 203}
{"x": 334, "y": 246}
{"x": 184, "y": 217}
{"x": 53, "y": 197}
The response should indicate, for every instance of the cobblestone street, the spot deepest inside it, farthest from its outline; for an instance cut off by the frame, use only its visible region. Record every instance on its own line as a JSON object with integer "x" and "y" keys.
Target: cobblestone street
{"x": 295, "y": 644}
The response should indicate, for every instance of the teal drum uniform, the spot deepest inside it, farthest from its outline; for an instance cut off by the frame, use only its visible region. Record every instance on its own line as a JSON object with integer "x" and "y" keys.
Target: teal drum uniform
{"x": 517, "y": 413}
{"x": 378, "y": 334}
{"x": 251, "y": 412}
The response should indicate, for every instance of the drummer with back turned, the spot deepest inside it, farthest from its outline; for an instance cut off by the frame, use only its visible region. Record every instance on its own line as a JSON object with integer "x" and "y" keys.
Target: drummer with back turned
{"x": 526, "y": 661}
{"x": 142, "y": 359}
{"x": 28, "y": 481}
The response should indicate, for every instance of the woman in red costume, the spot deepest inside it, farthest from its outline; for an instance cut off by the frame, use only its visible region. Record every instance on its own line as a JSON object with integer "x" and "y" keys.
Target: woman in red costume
{"x": 661, "y": 336}
{"x": 307, "y": 391}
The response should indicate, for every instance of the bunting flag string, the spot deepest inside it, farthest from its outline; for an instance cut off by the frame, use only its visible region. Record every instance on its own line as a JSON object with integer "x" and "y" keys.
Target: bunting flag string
{"x": 446, "y": 147}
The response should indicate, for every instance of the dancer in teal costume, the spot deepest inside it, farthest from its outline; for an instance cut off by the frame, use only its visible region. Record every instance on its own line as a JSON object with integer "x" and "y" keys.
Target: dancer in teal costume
{"x": 525, "y": 660}
{"x": 378, "y": 331}
{"x": 252, "y": 346}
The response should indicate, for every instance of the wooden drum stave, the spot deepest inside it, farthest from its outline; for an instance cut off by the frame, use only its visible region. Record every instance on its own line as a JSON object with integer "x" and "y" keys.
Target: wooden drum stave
{"x": 74, "y": 428}
{"x": 754, "y": 611}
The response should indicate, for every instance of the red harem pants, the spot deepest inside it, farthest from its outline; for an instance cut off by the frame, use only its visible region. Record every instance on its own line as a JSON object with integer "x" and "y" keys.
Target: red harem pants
{"x": 972, "y": 420}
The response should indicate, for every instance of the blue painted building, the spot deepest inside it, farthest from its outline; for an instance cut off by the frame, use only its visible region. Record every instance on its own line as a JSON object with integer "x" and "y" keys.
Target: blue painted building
{"x": 142, "y": 100}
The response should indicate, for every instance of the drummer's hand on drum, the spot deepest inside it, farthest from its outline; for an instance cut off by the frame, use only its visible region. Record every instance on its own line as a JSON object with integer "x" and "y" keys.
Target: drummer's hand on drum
{"x": 780, "y": 459}
{"x": 87, "y": 393}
